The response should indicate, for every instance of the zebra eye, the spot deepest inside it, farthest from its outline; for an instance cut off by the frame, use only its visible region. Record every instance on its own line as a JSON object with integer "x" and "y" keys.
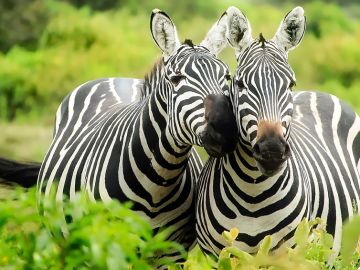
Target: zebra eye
{"x": 292, "y": 84}
{"x": 240, "y": 84}
{"x": 228, "y": 77}
{"x": 176, "y": 79}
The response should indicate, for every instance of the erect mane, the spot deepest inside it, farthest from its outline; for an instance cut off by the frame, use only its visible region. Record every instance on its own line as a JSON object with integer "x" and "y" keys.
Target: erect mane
{"x": 262, "y": 40}
{"x": 151, "y": 77}
{"x": 189, "y": 42}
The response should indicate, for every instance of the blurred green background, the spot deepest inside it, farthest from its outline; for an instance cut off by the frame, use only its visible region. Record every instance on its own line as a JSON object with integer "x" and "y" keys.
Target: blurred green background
{"x": 48, "y": 47}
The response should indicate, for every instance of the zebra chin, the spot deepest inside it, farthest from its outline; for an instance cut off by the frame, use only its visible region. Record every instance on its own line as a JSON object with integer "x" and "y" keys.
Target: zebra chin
{"x": 216, "y": 150}
{"x": 270, "y": 167}
{"x": 219, "y": 140}
{"x": 218, "y": 145}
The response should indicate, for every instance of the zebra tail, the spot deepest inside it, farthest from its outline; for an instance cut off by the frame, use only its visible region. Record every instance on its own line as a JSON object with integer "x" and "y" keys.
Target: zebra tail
{"x": 21, "y": 173}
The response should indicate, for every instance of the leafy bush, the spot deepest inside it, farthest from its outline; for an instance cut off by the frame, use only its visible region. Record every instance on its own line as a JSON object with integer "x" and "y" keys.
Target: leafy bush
{"x": 77, "y": 45}
{"x": 21, "y": 23}
{"x": 100, "y": 236}
{"x": 312, "y": 251}
{"x": 111, "y": 236}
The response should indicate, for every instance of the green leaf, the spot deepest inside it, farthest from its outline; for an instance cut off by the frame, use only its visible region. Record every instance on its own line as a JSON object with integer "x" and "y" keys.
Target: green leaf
{"x": 265, "y": 246}
{"x": 350, "y": 237}
{"x": 302, "y": 233}
{"x": 197, "y": 260}
{"x": 243, "y": 256}
{"x": 224, "y": 264}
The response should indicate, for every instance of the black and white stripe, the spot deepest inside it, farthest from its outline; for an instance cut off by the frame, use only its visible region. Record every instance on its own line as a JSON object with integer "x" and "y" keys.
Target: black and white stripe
{"x": 320, "y": 177}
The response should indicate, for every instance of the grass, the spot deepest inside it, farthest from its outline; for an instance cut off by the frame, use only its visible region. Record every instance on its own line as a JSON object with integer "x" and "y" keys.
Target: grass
{"x": 27, "y": 142}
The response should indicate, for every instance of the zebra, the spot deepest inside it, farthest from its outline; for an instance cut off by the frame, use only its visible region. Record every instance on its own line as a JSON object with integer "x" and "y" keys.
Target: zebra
{"x": 297, "y": 156}
{"x": 138, "y": 147}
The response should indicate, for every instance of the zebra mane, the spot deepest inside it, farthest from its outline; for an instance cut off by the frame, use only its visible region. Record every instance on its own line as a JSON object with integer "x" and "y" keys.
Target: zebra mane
{"x": 151, "y": 78}
{"x": 154, "y": 74}
{"x": 262, "y": 40}
{"x": 189, "y": 43}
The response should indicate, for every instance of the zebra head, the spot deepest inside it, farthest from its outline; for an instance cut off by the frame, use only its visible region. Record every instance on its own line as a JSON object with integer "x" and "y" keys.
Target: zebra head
{"x": 261, "y": 89}
{"x": 196, "y": 87}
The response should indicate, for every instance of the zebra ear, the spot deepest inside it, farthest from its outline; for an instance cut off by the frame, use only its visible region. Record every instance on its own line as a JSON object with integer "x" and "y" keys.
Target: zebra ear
{"x": 215, "y": 40}
{"x": 238, "y": 30}
{"x": 291, "y": 30}
{"x": 164, "y": 33}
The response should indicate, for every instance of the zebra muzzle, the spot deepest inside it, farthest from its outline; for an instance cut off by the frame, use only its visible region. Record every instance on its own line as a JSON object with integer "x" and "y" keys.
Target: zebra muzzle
{"x": 271, "y": 153}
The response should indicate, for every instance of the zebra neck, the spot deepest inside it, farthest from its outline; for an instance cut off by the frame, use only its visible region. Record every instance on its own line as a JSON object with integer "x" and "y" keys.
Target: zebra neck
{"x": 164, "y": 159}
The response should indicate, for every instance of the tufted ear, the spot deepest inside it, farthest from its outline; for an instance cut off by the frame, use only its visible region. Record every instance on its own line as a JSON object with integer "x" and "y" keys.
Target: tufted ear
{"x": 215, "y": 40}
{"x": 238, "y": 30}
{"x": 164, "y": 33}
{"x": 291, "y": 30}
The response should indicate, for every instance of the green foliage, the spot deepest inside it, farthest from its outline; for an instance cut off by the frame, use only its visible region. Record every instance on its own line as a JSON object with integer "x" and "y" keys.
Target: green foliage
{"x": 312, "y": 251}
{"x": 111, "y": 236}
{"x": 96, "y": 4}
{"x": 81, "y": 44}
{"x": 21, "y": 23}
{"x": 197, "y": 260}
{"x": 186, "y": 9}
{"x": 100, "y": 235}
{"x": 350, "y": 241}
{"x": 107, "y": 41}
